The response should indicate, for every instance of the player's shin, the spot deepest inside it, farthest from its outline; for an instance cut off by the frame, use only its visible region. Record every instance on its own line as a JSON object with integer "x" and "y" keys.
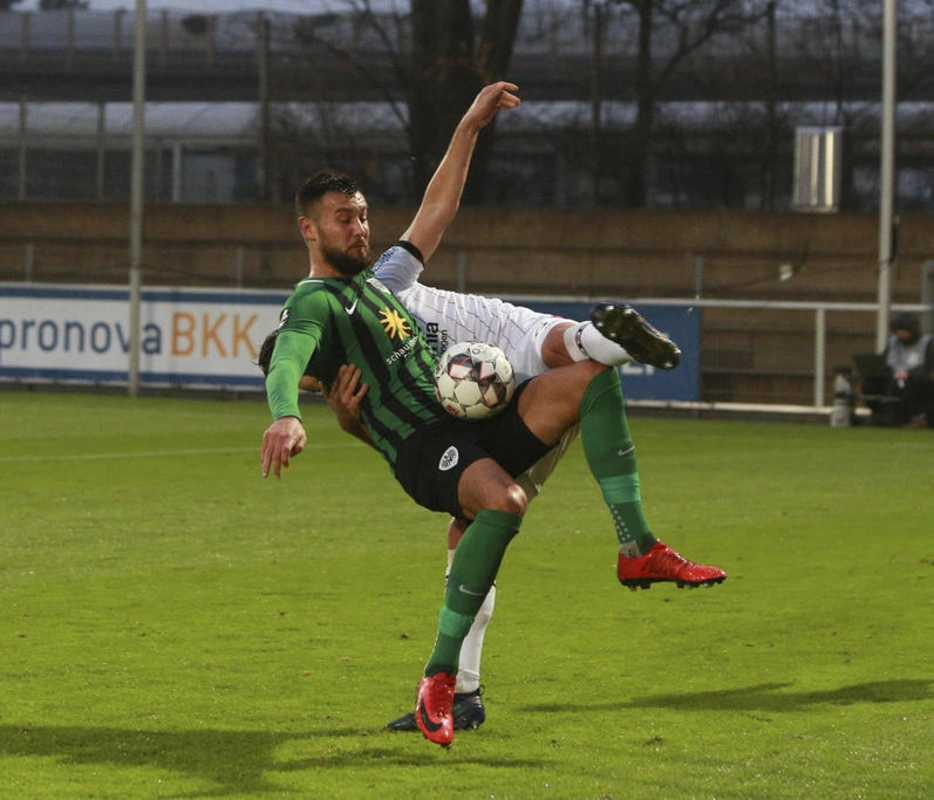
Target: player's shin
{"x": 611, "y": 456}
{"x": 473, "y": 571}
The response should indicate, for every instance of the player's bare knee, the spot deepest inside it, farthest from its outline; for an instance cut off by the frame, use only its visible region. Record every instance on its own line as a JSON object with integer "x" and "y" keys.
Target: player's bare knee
{"x": 579, "y": 377}
{"x": 512, "y": 500}
{"x": 589, "y": 370}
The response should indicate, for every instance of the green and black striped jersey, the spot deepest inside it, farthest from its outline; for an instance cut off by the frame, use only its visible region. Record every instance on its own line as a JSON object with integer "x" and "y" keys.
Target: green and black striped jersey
{"x": 328, "y": 322}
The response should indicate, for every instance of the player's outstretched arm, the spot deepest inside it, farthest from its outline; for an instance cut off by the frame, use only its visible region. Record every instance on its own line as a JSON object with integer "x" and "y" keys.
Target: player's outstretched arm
{"x": 286, "y": 436}
{"x": 443, "y": 195}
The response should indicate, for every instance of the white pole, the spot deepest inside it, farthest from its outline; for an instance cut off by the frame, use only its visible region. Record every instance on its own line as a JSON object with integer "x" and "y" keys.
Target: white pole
{"x": 820, "y": 355}
{"x": 136, "y": 191}
{"x": 886, "y": 173}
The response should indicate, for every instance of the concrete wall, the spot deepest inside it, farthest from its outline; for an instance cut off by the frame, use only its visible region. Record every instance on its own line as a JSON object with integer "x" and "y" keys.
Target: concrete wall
{"x": 747, "y": 356}
{"x": 566, "y": 252}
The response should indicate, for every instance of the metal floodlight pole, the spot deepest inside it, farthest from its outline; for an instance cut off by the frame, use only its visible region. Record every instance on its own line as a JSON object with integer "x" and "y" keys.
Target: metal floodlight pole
{"x": 136, "y": 192}
{"x": 886, "y": 173}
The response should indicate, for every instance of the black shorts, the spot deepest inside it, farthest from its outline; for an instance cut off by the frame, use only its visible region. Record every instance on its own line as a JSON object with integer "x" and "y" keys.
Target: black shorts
{"x": 430, "y": 462}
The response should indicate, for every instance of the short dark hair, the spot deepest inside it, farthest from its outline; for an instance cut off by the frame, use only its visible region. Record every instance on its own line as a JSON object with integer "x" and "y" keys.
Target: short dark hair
{"x": 265, "y": 351}
{"x": 317, "y": 186}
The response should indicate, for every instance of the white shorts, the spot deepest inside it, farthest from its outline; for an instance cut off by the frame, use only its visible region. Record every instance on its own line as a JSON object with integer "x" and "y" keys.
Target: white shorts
{"x": 447, "y": 318}
{"x": 535, "y": 476}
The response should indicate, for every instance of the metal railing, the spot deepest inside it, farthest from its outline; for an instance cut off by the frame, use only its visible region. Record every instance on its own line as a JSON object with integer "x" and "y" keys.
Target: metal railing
{"x": 802, "y": 347}
{"x": 819, "y": 310}
{"x": 819, "y": 370}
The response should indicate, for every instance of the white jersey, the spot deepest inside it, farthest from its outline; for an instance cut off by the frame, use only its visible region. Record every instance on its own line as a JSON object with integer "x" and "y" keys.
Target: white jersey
{"x": 898, "y": 355}
{"x": 447, "y": 318}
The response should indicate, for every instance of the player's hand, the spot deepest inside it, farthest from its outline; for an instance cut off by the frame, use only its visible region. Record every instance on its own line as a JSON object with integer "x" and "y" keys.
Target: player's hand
{"x": 492, "y": 99}
{"x": 283, "y": 439}
{"x": 344, "y": 396}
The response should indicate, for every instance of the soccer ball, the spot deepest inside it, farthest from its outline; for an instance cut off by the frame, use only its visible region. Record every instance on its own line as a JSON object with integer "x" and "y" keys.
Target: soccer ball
{"x": 474, "y": 380}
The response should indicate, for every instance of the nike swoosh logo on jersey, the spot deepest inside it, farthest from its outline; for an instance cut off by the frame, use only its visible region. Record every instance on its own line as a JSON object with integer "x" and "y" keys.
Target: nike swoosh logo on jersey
{"x": 353, "y": 307}
{"x": 426, "y": 721}
{"x": 626, "y": 452}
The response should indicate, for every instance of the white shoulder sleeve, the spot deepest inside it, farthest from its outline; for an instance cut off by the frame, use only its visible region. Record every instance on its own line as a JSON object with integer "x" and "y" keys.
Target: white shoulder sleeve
{"x": 397, "y": 269}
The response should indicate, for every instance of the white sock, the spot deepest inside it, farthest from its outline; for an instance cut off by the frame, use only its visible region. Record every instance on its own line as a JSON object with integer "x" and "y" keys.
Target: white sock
{"x": 468, "y": 672}
{"x": 584, "y": 341}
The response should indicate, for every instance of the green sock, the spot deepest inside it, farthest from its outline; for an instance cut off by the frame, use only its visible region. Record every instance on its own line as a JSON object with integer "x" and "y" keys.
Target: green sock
{"x": 611, "y": 456}
{"x": 476, "y": 562}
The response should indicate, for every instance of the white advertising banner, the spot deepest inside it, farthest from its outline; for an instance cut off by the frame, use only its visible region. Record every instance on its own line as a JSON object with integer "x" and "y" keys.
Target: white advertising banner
{"x": 210, "y": 338}
{"x": 198, "y": 338}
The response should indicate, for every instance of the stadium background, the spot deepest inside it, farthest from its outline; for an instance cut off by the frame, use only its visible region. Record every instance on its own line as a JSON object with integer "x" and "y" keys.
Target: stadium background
{"x": 175, "y": 626}
{"x": 241, "y": 103}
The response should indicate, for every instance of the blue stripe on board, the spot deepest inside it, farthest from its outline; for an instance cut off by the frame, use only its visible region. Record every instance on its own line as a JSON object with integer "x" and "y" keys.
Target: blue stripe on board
{"x": 119, "y": 376}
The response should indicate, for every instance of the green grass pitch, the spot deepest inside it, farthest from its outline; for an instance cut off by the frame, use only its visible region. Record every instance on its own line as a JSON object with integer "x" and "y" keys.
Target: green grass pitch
{"x": 175, "y": 626}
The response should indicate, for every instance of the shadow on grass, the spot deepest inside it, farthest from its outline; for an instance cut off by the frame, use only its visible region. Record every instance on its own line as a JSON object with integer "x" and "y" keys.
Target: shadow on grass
{"x": 236, "y": 762}
{"x": 764, "y": 697}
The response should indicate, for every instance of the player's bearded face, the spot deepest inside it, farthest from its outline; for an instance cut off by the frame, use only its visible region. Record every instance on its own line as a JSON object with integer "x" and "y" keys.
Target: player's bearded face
{"x": 344, "y": 233}
{"x": 350, "y": 261}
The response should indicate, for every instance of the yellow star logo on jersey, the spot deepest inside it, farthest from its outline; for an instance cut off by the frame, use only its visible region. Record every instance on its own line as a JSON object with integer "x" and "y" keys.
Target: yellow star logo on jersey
{"x": 395, "y": 324}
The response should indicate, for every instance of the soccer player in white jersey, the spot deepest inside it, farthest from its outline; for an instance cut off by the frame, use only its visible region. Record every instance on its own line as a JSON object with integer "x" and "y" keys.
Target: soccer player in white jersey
{"x": 535, "y": 342}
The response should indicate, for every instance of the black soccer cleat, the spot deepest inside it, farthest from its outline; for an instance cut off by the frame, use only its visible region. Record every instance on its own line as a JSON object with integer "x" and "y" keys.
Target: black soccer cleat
{"x": 630, "y": 330}
{"x": 404, "y": 723}
{"x": 469, "y": 714}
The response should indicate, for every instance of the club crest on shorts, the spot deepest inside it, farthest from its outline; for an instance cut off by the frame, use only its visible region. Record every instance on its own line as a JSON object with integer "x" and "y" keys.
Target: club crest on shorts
{"x": 449, "y": 459}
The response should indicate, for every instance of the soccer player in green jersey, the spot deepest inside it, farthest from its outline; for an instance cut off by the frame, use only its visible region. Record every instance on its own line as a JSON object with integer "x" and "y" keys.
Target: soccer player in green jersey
{"x": 341, "y": 315}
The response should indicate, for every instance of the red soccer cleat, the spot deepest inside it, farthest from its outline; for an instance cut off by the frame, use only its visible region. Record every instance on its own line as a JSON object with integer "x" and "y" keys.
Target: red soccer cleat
{"x": 662, "y": 563}
{"x": 434, "y": 713}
